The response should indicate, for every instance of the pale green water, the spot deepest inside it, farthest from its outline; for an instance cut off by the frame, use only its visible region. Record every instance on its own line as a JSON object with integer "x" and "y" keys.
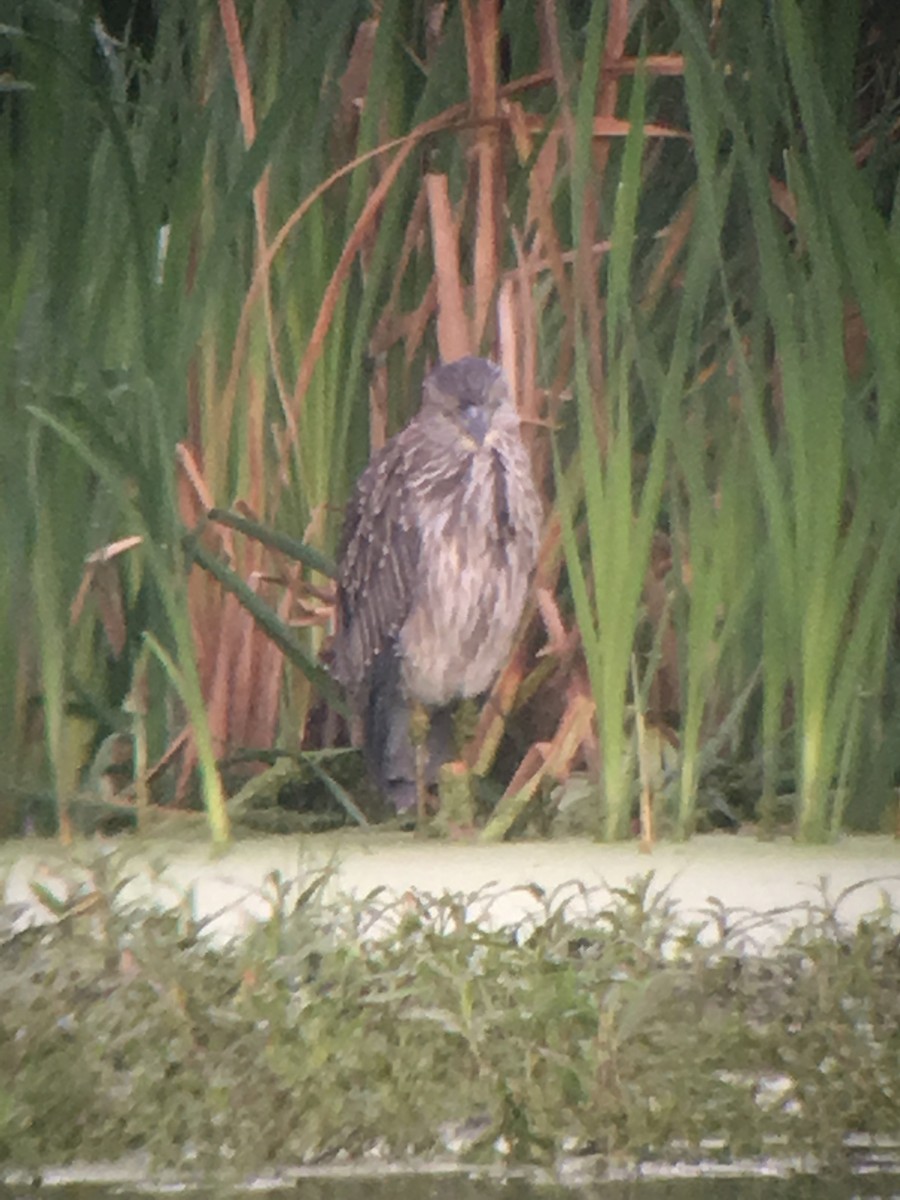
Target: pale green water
{"x": 868, "y": 1187}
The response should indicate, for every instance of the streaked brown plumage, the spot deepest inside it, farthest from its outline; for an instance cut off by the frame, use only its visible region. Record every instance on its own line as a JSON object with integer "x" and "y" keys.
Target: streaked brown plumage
{"x": 440, "y": 542}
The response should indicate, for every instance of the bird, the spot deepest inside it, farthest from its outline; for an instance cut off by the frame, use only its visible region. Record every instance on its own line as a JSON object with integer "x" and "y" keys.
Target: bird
{"x": 439, "y": 547}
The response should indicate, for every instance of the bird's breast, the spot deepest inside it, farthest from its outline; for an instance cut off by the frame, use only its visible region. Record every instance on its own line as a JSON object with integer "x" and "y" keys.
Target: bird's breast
{"x": 478, "y": 549}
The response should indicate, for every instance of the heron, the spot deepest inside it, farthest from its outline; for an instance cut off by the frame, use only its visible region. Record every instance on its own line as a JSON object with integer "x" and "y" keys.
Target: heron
{"x": 439, "y": 547}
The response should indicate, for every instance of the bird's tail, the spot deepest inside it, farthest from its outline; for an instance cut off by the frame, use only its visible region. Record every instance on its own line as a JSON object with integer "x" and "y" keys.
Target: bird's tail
{"x": 387, "y": 744}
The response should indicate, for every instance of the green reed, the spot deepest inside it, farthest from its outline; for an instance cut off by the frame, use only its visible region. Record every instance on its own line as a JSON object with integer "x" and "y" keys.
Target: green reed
{"x": 823, "y": 442}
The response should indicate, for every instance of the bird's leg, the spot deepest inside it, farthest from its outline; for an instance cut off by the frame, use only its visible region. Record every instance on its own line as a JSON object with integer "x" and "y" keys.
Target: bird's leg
{"x": 419, "y": 724}
{"x": 465, "y": 726}
{"x": 456, "y": 815}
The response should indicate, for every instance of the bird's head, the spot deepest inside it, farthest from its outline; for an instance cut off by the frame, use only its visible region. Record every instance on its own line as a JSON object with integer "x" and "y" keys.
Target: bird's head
{"x": 471, "y": 394}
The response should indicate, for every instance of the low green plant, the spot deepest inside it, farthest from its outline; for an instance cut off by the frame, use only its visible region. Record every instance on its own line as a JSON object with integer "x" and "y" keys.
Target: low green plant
{"x": 413, "y": 1025}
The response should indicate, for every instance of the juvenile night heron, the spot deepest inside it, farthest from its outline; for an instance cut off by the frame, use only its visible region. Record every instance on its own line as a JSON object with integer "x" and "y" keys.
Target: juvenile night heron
{"x": 440, "y": 543}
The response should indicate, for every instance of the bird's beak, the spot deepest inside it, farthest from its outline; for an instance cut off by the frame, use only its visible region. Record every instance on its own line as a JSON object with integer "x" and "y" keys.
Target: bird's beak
{"x": 477, "y": 420}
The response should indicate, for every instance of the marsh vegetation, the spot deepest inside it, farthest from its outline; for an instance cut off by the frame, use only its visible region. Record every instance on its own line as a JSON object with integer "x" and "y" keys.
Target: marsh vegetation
{"x": 232, "y": 239}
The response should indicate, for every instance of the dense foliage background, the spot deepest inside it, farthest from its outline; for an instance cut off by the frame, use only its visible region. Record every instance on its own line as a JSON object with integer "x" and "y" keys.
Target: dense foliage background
{"x": 232, "y": 239}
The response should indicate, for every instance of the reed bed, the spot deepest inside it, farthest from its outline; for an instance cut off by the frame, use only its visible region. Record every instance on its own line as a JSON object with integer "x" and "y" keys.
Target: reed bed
{"x": 230, "y": 251}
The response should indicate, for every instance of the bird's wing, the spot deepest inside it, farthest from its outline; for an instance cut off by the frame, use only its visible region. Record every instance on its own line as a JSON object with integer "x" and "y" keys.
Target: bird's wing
{"x": 378, "y": 564}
